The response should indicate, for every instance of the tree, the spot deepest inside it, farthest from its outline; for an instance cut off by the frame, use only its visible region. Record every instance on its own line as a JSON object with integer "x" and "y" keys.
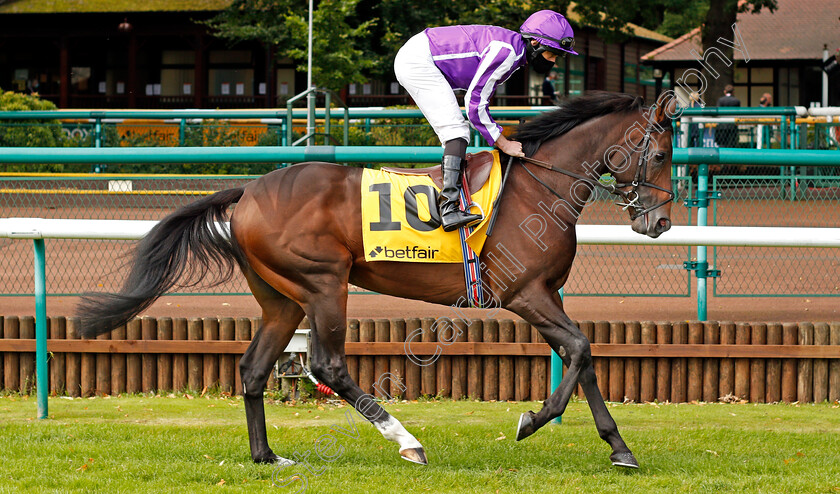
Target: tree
{"x": 358, "y": 39}
{"x": 674, "y": 18}
{"x": 678, "y": 21}
{"x": 721, "y": 16}
{"x": 337, "y": 60}
{"x": 402, "y": 19}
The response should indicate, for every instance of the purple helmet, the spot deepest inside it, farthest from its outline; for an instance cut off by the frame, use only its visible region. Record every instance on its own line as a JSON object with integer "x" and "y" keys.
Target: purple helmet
{"x": 551, "y": 29}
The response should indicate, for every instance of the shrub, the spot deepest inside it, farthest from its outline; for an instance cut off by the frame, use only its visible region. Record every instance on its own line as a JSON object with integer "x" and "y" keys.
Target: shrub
{"x": 28, "y": 133}
{"x": 31, "y": 133}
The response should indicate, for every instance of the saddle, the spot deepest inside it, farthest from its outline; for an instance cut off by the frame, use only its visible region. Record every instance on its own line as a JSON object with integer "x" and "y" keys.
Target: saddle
{"x": 476, "y": 172}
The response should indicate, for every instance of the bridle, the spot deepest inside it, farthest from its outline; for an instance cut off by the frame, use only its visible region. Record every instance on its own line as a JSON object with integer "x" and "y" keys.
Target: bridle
{"x": 631, "y": 198}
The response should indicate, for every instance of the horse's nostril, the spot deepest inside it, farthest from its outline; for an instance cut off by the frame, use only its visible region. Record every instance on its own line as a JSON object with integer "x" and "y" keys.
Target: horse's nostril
{"x": 663, "y": 225}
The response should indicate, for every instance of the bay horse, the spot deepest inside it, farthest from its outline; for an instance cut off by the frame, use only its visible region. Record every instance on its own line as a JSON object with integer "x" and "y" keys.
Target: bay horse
{"x": 296, "y": 235}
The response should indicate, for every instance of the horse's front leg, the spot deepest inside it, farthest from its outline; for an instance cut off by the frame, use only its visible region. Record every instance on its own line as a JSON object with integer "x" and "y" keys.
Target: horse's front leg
{"x": 547, "y": 315}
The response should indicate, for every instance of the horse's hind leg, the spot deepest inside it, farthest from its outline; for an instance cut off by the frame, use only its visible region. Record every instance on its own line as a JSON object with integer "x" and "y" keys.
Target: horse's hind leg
{"x": 329, "y": 326}
{"x": 281, "y": 317}
{"x": 546, "y": 313}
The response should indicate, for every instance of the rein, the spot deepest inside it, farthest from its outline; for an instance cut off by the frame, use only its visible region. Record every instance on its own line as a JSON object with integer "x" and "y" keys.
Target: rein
{"x": 631, "y": 197}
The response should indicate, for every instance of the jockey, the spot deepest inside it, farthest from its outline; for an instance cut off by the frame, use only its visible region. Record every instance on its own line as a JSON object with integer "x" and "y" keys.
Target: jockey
{"x": 434, "y": 63}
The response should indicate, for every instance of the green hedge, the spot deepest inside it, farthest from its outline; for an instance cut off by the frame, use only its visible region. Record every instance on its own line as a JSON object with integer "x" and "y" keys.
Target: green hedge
{"x": 49, "y": 133}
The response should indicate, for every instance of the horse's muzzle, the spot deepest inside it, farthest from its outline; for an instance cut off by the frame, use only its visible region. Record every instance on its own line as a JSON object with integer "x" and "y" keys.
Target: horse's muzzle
{"x": 651, "y": 224}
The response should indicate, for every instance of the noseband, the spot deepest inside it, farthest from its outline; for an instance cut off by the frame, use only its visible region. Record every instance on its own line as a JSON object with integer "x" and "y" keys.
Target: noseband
{"x": 631, "y": 198}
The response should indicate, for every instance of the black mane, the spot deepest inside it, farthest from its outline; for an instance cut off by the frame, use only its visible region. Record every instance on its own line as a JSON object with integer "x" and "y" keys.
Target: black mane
{"x": 572, "y": 113}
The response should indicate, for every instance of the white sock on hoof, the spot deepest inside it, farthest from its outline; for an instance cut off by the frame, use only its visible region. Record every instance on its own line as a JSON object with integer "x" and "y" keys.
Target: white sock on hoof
{"x": 393, "y": 430}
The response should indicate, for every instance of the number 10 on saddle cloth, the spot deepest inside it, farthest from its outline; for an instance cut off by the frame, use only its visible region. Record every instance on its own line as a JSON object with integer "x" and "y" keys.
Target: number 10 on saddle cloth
{"x": 400, "y": 220}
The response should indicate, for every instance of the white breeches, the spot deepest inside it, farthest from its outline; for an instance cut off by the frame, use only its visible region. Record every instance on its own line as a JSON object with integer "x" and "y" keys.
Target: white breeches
{"x": 419, "y": 75}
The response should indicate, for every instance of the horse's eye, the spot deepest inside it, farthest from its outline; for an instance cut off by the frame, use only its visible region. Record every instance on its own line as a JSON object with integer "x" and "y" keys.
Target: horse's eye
{"x": 660, "y": 156}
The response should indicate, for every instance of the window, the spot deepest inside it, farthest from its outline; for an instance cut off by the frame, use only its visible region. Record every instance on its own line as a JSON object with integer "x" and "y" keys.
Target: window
{"x": 741, "y": 94}
{"x": 235, "y": 57}
{"x": 761, "y": 75}
{"x": 79, "y": 78}
{"x": 177, "y": 57}
{"x": 559, "y": 82}
{"x": 286, "y": 84}
{"x": 576, "y": 76}
{"x": 630, "y": 72}
{"x": 646, "y": 75}
{"x": 788, "y": 87}
{"x": 177, "y": 82}
{"x": 177, "y": 74}
{"x": 755, "y": 94}
{"x": 231, "y": 82}
{"x": 231, "y": 73}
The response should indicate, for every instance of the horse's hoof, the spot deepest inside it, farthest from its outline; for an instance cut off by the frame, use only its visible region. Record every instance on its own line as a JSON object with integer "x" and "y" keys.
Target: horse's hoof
{"x": 276, "y": 460}
{"x": 414, "y": 455}
{"x": 625, "y": 459}
{"x": 526, "y": 426}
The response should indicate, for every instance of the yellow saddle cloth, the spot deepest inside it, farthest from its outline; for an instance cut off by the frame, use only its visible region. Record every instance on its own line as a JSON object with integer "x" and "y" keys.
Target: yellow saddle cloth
{"x": 400, "y": 220}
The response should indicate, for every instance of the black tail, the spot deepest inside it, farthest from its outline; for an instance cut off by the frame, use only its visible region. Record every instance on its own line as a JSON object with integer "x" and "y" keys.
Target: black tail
{"x": 183, "y": 247}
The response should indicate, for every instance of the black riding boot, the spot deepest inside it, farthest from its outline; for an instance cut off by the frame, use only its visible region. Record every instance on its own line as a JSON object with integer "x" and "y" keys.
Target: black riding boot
{"x": 451, "y": 215}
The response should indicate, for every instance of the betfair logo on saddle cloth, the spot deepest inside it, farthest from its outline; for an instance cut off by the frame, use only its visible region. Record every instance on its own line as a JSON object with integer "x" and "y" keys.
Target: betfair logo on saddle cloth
{"x": 400, "y": 220}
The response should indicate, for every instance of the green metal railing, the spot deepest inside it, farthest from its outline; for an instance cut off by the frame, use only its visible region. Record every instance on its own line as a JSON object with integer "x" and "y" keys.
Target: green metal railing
{"x": 363, "y": 154}
{"x": 107, "y": 128}
{"x": 298, "y": 113}
{"x": 312, "y": 132}
{"x": 372, "y": 126}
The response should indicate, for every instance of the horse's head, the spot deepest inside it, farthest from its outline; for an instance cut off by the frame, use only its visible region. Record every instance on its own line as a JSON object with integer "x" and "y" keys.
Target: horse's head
{"x": 643, "y": 177}
{"x": 608, "y": 132}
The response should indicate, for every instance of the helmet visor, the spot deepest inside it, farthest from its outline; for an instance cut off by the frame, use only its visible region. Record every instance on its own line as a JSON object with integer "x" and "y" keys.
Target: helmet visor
{"x": 564, "y": 45}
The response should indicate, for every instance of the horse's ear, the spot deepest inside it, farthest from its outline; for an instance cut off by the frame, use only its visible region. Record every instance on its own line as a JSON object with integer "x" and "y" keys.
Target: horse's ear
{"x": 666, "y": 107}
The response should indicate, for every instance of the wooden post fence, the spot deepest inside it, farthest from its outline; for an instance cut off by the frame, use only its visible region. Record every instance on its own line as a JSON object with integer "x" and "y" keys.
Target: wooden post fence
{"x": 477, "y": 359}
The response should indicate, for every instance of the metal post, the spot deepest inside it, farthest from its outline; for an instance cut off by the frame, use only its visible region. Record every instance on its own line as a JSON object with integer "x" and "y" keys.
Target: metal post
{"x": 346, "y": 126}
{"x": 556, "y": 371}
{"x": 310, "y": 98}
{"x": 702, "y": 263}
{"x": 783, "y": 130}
{"x": 792, "y": 171}
{"x": 310, "y": 116}
{"x": 98, "y": 134}
{"x": 289, "y": 124}
{"x": 327, "y": 118}
{"x": 793, "y": 130}
{"x": 824, "y": 99}
{"x": 41, "y": 377}
{"x": 182, "y": 132}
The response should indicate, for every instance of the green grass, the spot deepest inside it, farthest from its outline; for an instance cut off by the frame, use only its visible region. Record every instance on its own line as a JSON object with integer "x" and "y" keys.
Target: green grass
{"x": 159, "y": 444}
